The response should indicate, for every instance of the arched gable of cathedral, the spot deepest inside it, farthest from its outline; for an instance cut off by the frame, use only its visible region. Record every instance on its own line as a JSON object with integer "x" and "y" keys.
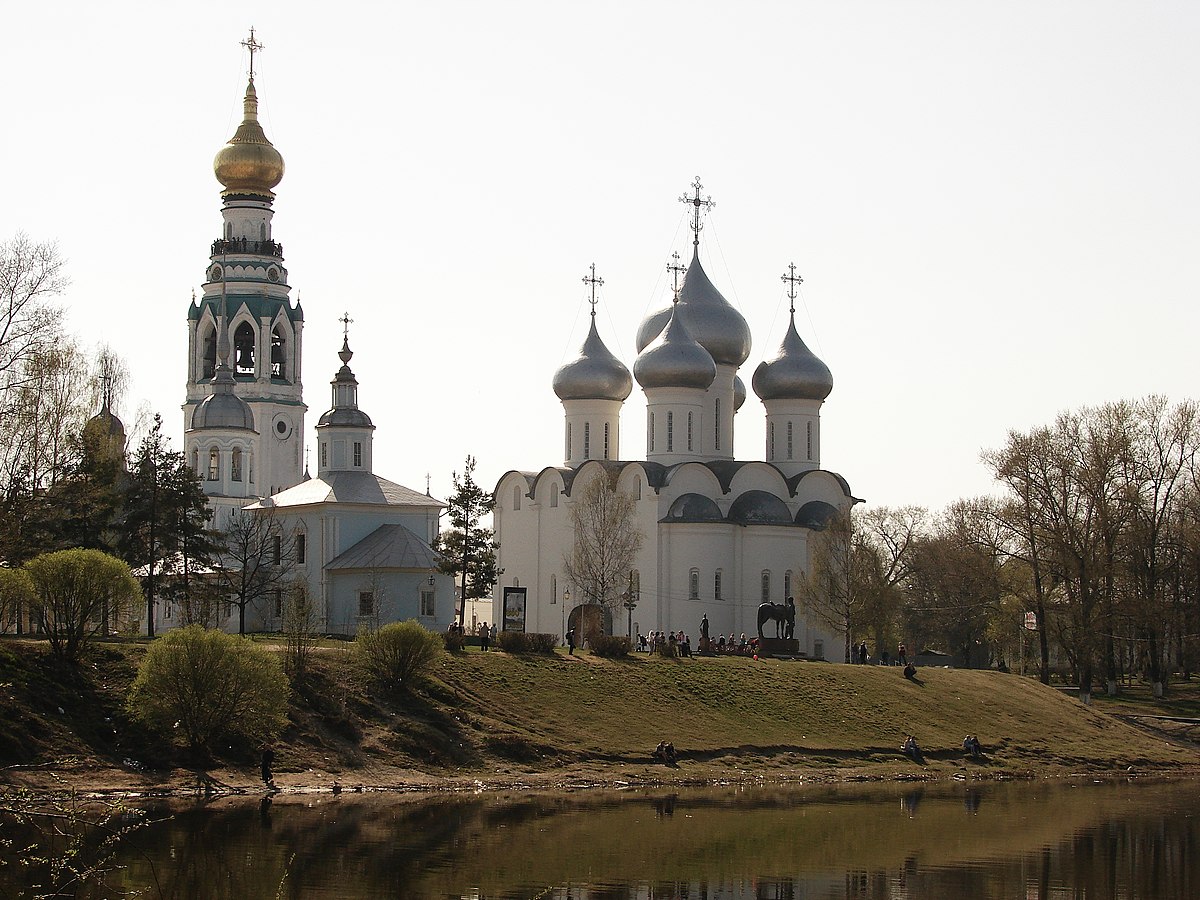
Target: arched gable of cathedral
{"x": 549, "y": 480}
{"x": 760, "y": 476}
{"x": 820, "y": 484}
{"x": 693, "y": 478}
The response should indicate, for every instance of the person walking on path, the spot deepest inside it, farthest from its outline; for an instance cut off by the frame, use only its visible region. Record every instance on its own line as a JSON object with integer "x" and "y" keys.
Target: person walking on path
{"x": 902, "y": 655}
{"x": 862, "y": 653}
{"x": 571, "y": 642}
{"x": 484, "y": 637}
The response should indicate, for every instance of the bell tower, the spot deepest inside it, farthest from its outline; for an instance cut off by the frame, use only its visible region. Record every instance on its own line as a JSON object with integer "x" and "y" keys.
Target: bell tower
{"x": 245, "y": 326}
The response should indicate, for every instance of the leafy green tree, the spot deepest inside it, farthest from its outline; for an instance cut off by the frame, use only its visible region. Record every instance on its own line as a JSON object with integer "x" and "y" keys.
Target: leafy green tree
{"x": 79, "y": 594}
{"x": 166, "y": 520}
{"x": 468, "y": 549}
{"x": 202, "y": 687}
{"x": 16, "y": 592}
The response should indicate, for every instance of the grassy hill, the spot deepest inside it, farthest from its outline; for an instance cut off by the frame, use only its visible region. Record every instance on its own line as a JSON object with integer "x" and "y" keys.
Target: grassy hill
{"x": 496, "y": 718}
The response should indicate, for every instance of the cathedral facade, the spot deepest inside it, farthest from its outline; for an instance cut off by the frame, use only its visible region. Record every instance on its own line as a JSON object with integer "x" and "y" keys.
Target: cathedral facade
{"x": 719, "y": 536}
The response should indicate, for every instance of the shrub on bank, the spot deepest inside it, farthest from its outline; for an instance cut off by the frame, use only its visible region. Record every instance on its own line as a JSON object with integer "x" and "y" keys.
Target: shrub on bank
{"x": 202, "y": 687}
{"x": 526, "y": 642}
{"x": 399, "y": 655}
{"x": 611, "y": 646}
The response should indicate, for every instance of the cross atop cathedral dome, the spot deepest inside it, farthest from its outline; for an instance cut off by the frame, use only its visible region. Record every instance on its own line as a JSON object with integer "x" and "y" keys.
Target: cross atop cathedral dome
{"x": 249, "y": 163}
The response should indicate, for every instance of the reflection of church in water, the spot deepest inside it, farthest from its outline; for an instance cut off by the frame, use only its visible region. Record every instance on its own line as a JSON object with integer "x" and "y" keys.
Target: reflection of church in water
{"x": 721, "y": 536}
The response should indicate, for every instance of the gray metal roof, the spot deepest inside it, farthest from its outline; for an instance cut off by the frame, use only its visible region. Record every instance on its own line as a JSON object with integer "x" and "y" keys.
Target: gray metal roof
{"x": 387, "y": 547}
{"x": 595, "y": 375}
{"x": 718, "y": 327}
{"x": 694, "y": 508}
{"x": 795, "y": 374}
{"x": 675, "y": 359}
{"x": 351, "y": 487}
{"x": 759, "y": 508}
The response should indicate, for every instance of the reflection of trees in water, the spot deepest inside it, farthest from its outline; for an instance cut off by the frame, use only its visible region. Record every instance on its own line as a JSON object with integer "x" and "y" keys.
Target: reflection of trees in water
{"x": 812, "y": 844}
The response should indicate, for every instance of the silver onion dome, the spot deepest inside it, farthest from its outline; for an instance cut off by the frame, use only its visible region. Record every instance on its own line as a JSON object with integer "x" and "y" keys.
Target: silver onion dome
{"x": 795, "y": 374}
{"x": 595, "y": 375}
{"x": 675, "y": 359}
{"x": 222, "y": 408}
{"x": 739, "y": 392}
{"x": 718, "y": 327}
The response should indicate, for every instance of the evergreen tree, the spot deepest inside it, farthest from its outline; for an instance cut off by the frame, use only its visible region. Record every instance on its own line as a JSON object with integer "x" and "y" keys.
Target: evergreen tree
{"x": 166, "y": 514}
{"x": 468, "y": 549}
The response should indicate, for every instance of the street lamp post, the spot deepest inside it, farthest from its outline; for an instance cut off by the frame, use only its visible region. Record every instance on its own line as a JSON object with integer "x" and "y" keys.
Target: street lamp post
{"x": 630, "y": 602}
{"x": 566, "y": 611}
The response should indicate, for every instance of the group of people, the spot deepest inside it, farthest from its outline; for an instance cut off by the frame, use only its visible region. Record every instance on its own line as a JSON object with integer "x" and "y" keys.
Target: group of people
{"x": 912, "y": 750}
{"x": 487, "y": 636}
{"x": 862, "y": 655}
{"x": 731, "y": 646}
{"x": 665, "y": 752}
{"x": 669, "y": 643}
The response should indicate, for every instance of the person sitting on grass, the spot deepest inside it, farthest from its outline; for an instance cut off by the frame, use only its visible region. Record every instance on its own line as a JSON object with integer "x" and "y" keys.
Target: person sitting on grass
{"x": 910, "y": 672}
{"x": 910, "y": 749}
{"x": 971, "y": 745}
{"x": 665, "y": 751}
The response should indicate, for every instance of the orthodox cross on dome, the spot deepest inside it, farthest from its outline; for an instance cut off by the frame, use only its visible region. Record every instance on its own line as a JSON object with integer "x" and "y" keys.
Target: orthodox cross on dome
{"x": 595, "y": 281}
{"x": 697, "y": 204}
{"x": 106, "y": 389}
{"x": 253, "y": 46}
{"x": 427, "y": 477}
{"x": 676, "y": 270}
{"x": 793, "y": 280}
{"x": 346, "y": 322}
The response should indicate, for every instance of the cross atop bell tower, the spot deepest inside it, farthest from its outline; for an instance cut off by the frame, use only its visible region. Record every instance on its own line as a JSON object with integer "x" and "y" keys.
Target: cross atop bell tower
{"x": 595, "y": 282}
{"x": 253, "y": 46}
{"x": 793, "y": 281}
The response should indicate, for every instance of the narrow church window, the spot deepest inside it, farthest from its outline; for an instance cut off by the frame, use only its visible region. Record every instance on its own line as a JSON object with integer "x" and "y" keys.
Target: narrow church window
{"x": 717, "y": 586}
{"x": 324, "y": 455}
{"x": 228, "y": 231}
{"x": 635, "y": 581}
{"x": 250, "y": 466}
{"x": 277, "y": 549}
{"x": 358, "y": 453}
{"x": 277, "y": 596}
{"x": 196, "y": 460}
{"x": 517, "y": 497}
{"x": 717, "y": 424}
{"x": 301, "y": 548}
{"x": 553, "y": 589}
{"x": 553, "y": 496}
{"x": 278, "y": 366}
{"x": 235, "y": 469}
{"x": 208, "y": 367}
{"x": 570, "y": 428}
{"x": 366, "y": 603}
{"x": 650, "y": 435}
{"x": 771, "y": 442}
{"x": 587, "y": 440}
{"x": 670, "y": 431}
{"x": 262, "y": 231}
{"x": 787, "y": 584}
{"x": 789, "y": 440}
{"x": 810, "y": 440}
{"x": 766, "y": 586}
{"x": 694, "y": 584}
{"x": 214, "y": 465}
{"x": 606, "y": 440}
{"x": 243, "y": 346}
{"x": 427, "y": 603}
{"x": 689, "y": 431}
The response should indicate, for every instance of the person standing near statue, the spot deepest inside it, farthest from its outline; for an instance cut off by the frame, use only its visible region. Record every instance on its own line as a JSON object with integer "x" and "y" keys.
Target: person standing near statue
{"x": 570, "y": 641}
{"x": 789, "y": 625}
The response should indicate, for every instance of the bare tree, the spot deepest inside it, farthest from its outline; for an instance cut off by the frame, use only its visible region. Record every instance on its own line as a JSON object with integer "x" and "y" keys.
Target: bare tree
{"x": 606, "y": 542}
{"x": 299, "y": 627}
{"x": 844, "y": 572}
{"x": 255, "y": 558}
{"x": 30, "y": 275}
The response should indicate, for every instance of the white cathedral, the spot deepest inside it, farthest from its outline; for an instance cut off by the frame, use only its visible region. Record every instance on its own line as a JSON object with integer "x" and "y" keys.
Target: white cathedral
{"x": 721, "y": 536}
{"x": 362, "y": 544}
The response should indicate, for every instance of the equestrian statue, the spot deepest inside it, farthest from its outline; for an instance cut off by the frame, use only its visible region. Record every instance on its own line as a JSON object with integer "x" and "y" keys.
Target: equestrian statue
{"x": 784, "y": 616}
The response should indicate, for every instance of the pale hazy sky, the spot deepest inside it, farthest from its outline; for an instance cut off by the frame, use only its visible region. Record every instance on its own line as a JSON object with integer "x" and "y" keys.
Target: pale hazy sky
{"x": 995, "y": 207}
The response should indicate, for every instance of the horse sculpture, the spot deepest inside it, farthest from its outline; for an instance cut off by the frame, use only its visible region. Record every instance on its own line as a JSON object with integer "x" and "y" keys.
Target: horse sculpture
{"x": 783, "y": 615}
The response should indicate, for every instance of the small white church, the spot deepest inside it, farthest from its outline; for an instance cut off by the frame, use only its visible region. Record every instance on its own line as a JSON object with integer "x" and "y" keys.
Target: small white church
{"x": 363, "y": 545}
{"x": 720, "y": 536}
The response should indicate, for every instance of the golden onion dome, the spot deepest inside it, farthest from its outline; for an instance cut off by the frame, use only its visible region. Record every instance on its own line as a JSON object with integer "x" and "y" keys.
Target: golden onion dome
{"x": 249, "y": 163}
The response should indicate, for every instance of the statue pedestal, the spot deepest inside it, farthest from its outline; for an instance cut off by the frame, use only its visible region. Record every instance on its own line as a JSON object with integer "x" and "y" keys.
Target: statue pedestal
{"x": 778, "y": 647}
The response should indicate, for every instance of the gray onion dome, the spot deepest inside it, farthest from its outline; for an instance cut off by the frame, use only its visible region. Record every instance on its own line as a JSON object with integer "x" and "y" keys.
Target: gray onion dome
{"x": 222, "y": 408}
{"x": 795, "y": 374}
{"x": 739, "y": 392}
{"x": 674, "y": 359}
{"x": 595, "y": 375}
{"x": 718, "y": 327}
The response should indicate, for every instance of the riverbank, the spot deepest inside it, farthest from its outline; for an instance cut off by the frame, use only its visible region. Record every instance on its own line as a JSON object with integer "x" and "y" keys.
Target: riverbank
{"x": 559, "y": 722}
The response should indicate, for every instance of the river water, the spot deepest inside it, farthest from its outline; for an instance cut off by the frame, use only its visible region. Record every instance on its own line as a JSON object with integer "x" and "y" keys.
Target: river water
{"x": 1080, "y": 840}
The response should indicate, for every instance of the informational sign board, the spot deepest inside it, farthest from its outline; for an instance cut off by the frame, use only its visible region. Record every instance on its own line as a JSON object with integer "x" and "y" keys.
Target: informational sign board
{"x": 1031, "y": 621}
{"x": 514, "y": 608}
